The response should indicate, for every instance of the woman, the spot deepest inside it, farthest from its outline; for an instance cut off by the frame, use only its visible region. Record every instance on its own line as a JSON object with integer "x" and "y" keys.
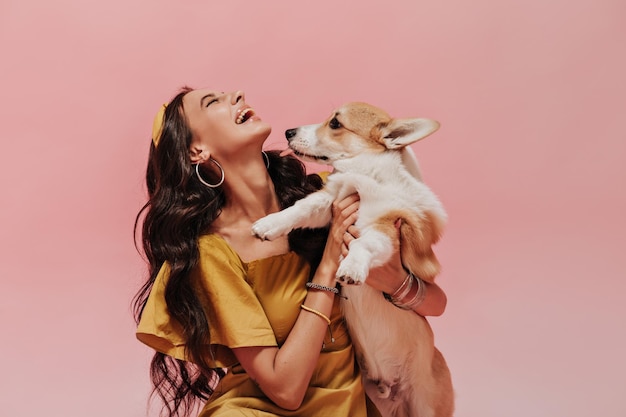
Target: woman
{"x": 232, "y": 318}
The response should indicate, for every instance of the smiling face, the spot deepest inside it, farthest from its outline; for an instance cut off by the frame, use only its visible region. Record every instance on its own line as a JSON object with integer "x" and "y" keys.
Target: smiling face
{"x": 221, "y": 124}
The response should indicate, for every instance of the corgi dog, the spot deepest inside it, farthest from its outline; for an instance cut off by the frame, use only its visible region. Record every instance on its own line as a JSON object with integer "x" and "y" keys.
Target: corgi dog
{"x": 403, "y": 372}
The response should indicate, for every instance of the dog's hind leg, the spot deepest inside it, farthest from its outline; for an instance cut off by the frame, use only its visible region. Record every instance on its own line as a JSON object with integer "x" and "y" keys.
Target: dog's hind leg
{"x": 444, "y": 396}
{"x": 434, "y": 395}
{"x": 387, "y": 407}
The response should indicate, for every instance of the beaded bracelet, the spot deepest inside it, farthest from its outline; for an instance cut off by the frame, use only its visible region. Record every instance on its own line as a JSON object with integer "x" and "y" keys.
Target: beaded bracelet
{"x": 334, "y": 290}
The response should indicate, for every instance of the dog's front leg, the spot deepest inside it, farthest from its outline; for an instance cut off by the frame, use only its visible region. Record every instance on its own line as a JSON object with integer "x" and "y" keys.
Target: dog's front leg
{"x": 373, "y": 248}
{"x": 312, "y": 211}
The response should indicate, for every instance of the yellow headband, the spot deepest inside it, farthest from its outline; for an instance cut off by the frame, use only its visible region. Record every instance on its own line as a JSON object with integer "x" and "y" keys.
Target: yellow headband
{"x": 157, "y": 125}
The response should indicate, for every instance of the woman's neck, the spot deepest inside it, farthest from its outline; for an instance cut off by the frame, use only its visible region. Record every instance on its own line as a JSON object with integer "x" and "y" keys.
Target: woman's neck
{"x": 250, "y": 195}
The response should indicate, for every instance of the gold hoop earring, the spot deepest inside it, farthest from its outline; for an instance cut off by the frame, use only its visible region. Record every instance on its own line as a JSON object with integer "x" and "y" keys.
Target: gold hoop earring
{"x": 267, "y": 159}
{"x": 206, "y": 183}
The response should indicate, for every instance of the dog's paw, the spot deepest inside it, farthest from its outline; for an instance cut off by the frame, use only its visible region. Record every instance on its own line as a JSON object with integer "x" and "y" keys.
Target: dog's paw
{"x": 269, "y": 227}
{"x": 351, "y": 272}
{"x": 384, "y": 389}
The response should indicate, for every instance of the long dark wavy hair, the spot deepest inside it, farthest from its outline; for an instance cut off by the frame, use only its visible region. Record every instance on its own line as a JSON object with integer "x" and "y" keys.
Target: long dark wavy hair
{"x": 178, "y": 211}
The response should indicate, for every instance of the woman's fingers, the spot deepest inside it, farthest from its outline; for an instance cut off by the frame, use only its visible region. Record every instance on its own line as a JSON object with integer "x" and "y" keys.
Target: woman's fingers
{"x": 346, "y": 206}
{"x": 353, "y": 231}
{"x": 345, "y": 212}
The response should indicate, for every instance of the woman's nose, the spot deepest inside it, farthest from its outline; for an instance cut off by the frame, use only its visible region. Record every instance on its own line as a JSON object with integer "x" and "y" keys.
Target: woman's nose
{"x": 236, "y": 96}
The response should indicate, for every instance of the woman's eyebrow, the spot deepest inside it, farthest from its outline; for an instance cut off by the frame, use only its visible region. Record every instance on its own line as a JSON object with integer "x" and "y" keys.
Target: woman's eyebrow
{"x": 205, "y": 97}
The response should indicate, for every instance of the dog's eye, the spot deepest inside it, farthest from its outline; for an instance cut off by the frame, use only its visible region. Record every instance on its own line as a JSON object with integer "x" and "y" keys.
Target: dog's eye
{"x": 334, "y": 123}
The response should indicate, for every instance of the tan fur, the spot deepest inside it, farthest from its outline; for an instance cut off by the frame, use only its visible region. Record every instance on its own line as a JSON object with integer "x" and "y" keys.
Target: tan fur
{"x": 417, "y": 235}
{"x": 403, "y": 373}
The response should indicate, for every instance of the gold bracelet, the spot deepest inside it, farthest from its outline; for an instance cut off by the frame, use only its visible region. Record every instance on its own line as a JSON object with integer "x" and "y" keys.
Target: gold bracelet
{"x": 323, "y": 316}
{"x": 317, "y": 313}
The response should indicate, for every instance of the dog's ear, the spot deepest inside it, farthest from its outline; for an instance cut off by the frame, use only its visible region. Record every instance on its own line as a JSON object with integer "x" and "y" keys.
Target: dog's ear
{"x": 402, "y": 132}
{"x": 410, "y": 162}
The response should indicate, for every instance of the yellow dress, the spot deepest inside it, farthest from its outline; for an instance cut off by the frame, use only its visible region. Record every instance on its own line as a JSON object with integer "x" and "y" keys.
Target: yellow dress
{"x": 256, "y": 304}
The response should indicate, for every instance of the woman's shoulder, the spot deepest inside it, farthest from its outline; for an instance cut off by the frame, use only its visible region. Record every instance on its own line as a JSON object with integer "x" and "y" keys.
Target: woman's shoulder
{"x": 213, "y": 248}
{"x": 323, "y": 175}
{"x": 210, "y": 238}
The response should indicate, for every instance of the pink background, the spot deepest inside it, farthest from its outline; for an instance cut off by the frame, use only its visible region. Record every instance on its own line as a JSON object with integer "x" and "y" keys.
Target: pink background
{"x": 529, "y": 163}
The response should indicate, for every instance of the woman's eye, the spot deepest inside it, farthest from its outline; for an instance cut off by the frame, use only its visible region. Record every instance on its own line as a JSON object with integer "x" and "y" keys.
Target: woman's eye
{"x": 334, "y": 123}
{"x": 211, "y": 102}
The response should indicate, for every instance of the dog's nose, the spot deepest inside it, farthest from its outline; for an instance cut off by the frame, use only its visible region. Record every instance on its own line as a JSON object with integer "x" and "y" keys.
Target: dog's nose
{"x": 290, "y": 133}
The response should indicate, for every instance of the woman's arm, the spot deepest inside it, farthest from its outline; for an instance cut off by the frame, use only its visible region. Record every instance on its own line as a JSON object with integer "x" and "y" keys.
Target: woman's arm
{"x": 284, "y": 373}
{"x": 389, "y": 277}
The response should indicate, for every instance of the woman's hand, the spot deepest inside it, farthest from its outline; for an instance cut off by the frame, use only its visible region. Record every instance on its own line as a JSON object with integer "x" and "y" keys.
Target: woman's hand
{"x": 345, "y": 214}
{"x": 390, "y": 276}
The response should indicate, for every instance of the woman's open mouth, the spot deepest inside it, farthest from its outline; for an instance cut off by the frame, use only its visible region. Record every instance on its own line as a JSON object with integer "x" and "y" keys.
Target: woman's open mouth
{"x": 244, "y": 116}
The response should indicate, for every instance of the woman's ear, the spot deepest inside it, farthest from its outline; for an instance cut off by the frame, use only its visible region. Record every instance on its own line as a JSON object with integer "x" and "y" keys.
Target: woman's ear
{"x": 198, "y": 154}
